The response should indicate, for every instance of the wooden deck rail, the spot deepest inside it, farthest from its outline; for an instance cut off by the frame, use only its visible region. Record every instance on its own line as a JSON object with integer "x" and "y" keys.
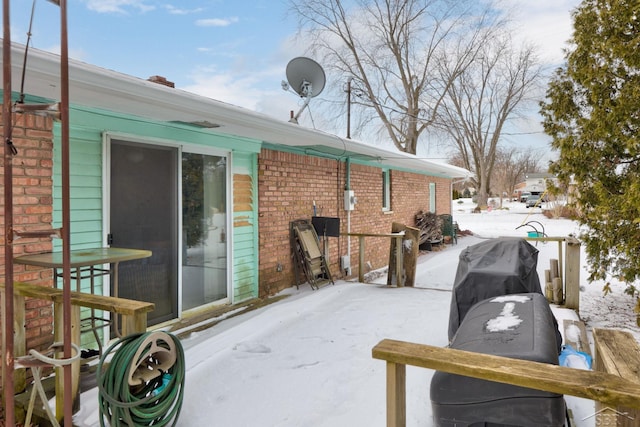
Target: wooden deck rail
{"x": 610, "y": 390}
{"x": 399, "y": 261}
{"x": 618, "y": 353}
{"x": 571, "y": 263}
{"x": 134, "y": 319}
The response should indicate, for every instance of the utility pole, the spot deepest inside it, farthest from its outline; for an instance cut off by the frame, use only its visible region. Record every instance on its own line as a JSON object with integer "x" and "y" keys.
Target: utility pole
{"x": 349, "y": 107}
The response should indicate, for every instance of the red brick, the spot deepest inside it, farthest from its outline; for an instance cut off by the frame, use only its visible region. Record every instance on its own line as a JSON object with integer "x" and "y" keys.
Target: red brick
{"x": 323, "y": 180}
{"x": 32, "y": 190}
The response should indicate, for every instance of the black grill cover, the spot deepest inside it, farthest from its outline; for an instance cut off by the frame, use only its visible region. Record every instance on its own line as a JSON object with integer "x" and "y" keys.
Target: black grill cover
{"x": 518, "y": 326}
{"x": 492, "y": 268}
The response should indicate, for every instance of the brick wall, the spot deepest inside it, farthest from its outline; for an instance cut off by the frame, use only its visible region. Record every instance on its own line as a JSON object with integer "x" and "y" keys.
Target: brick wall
{"x": 288, "y": 184}
{"x": 32, "y": 198}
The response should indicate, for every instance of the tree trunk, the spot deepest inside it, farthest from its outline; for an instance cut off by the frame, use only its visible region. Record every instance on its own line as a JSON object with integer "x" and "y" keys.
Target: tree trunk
{"x": 483, "y": 195}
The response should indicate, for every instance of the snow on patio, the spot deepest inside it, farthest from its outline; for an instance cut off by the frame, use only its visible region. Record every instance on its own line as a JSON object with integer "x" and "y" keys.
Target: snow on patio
{"x": 306, "y": 360}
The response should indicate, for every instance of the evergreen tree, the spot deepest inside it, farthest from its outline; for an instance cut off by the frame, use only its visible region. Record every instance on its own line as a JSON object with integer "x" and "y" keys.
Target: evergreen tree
{"x": 592, "y": 112}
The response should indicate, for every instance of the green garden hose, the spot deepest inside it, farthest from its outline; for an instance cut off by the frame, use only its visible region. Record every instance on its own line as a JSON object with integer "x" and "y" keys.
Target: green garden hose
{"x": 143, "y": 383}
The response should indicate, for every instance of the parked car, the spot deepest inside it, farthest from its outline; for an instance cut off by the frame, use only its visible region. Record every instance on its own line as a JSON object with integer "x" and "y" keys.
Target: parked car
{"x": 533, "y": 200}
{"x": 524, "y": 196}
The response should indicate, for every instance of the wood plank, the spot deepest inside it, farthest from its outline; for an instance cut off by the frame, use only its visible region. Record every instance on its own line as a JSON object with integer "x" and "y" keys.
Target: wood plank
{"x": 19, "y": 342}
{"x": 554, "y": 267}
{"x": 58, "y": 336}
{"x": 575, "y": 335}
{"x": 396, "y": 395}
{"x": 371, "y": 235}
{"x": 572, "y": 274}
{"x": 99, "y": 302}
{"x": 37, "y": 291}
{"x": 409, "y": 243}
{"x": 395, "y": 266}
{"x": 618, "y": 353}
{"x": 598, "y": 386}
{"x": 556, "y": 286}
{"x": 135, "y": 323}
{"x": 361, "y": 259}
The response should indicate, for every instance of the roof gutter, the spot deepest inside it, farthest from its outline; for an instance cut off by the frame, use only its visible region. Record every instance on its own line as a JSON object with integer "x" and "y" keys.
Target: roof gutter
{"x": 96, "y": 87}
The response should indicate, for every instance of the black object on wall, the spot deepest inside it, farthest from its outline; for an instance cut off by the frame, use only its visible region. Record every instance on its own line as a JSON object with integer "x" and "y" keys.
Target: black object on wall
{"x": 326, "y": 226}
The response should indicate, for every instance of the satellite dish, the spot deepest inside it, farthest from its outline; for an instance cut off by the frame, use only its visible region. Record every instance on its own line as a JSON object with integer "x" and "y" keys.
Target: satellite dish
{"x": 306, "y": 78}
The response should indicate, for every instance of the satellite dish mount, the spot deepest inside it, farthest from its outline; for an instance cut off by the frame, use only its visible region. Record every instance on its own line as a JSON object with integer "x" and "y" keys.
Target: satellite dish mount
{"x": 306, "y": 78}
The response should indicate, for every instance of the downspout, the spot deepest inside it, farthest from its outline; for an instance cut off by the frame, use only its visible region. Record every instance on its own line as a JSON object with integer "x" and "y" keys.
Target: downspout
{"x": 347, "y": 187}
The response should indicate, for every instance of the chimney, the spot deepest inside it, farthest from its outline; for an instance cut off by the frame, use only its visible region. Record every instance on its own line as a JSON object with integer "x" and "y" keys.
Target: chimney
{"x": 161, "y": 80}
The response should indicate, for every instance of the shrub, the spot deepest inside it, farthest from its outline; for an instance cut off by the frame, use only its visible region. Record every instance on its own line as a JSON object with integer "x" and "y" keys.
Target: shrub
{"x": 557, "y": 210}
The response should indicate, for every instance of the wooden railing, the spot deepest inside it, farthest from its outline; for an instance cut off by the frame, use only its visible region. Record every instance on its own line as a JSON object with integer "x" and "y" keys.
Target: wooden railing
{"x": 569, "y": 264}
{"x": 361, "y": 248}
{"x": 134, "y": 319}
{"x": 611, "y": 390}
{"x": 618, "y": 353}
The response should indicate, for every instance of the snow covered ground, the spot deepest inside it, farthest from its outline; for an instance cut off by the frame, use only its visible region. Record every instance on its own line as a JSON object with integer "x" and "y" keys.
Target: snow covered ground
{"x": 305, "y": 361}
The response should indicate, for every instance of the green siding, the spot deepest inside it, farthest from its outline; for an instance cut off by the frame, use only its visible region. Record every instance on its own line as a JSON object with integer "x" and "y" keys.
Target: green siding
{"x": 85, "y": 165}
{"x": 86, "y": 168}
{"x": 245, "y": 234}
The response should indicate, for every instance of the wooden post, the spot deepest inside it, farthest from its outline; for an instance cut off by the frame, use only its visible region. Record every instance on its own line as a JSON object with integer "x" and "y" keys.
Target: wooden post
{"x": 403, "y": 255}
{"x": 395, "y": 256}
{"x": 553, "y": 266}
{"x": 19, "y": 342}
{"x": 75, "y": 367}
{"x": 134, "y": 323}
{"x": 399, "y": 263}
{"x": 410, "y": 249}
{"x": 572, "y": 274}
{"x": 396, "y": 395}
{"x": 395, "y": 274}
{"x": 361, "y": 259}
{"x": 556, "y": 281}
{"x": 558, "y": 296}
{"x": 560, "y": 258}
{"x": 548, "y": 285}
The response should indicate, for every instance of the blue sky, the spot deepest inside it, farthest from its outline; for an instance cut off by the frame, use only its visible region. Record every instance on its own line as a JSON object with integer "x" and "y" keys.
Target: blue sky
{"x": 235, "y": 51}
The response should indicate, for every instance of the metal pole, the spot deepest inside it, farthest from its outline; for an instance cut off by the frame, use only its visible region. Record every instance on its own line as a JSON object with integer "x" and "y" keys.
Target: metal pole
{"x": 7, "y": 320}
{"x": 66, "y": 208}
{"x": 349, "y": 108}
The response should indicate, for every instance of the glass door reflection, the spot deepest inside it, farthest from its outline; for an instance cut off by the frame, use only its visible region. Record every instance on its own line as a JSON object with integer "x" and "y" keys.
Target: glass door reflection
{"x": 204, "y": 234}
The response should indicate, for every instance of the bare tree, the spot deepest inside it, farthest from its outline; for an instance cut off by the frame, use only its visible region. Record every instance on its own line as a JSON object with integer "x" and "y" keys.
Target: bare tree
{"x": 510, "y": 168}
{"x": 392, "y": 50}
{"x": 481, "y": 99}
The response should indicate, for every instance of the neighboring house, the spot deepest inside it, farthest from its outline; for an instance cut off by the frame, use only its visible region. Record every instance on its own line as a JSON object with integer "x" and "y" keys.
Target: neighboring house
{"x": 208, "y": 187}
{"x": 535, "y": 183}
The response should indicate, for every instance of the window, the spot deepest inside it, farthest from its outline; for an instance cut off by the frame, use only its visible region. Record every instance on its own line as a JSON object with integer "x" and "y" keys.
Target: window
{"x": 386, "y": 190}
{"x": 432, "y": 197}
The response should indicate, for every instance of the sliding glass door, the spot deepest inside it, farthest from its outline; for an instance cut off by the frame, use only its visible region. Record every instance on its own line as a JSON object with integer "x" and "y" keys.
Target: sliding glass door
{"x": 143, "y": 215}
{"x": 204, "y": 229}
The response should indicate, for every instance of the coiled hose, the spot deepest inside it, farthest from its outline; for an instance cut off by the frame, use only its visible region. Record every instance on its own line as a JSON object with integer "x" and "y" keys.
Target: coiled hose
{"x": 143, "y": 383}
